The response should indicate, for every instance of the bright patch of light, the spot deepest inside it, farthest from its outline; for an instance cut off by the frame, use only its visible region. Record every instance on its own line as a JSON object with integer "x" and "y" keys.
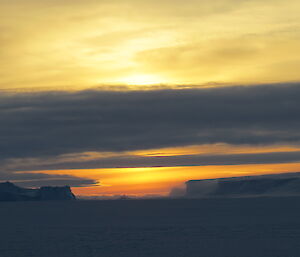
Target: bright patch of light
{"x": 141, "y": 79}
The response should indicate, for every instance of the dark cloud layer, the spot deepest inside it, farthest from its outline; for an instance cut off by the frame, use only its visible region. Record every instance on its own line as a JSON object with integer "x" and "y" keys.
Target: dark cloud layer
{"x": 166, "y": 161}
{"x": 40, "y": 179}
{"x": 54, "y": 123}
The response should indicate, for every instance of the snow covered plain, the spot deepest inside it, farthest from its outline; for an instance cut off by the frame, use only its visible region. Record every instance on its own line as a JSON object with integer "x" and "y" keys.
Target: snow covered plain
{"x": 249, "y": 227}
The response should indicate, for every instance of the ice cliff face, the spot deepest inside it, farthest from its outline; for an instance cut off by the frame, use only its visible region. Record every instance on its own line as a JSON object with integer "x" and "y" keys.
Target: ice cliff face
{"x": 11, "y": 192}
{"x": 268, "y": 185}
{"x": 55, "y": 193}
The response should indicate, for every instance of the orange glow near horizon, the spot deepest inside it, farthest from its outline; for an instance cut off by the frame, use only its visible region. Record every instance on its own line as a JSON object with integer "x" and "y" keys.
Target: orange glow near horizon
{"x": 222, "y": 149}
{"x": 160, "y": 180}
{"x": 148, "y": 181}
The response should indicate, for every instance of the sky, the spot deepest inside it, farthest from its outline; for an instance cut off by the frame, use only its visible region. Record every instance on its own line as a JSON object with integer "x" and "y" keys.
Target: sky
{"x": 136, "y": 97}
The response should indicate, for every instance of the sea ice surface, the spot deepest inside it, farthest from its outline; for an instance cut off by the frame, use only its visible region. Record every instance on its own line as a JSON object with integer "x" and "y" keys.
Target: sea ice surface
{"x": 242, "y": 227}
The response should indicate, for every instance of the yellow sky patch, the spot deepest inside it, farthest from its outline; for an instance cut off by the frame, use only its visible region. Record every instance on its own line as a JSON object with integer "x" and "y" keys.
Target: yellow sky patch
{"x": 73, "y": 45}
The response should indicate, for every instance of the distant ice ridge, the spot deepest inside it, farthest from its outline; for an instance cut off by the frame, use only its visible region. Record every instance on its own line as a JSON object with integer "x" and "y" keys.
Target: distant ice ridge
{"x": 265, "y": 185}
{"x": 11, "y": 192}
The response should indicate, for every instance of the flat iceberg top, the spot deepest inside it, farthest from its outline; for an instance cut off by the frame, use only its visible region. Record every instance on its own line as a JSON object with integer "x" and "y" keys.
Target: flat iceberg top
{"x": 265, "y": 185}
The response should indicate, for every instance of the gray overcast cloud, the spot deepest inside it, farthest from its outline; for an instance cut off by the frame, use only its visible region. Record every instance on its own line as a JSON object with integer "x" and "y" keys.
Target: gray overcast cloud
{"x": 50, "y": 124}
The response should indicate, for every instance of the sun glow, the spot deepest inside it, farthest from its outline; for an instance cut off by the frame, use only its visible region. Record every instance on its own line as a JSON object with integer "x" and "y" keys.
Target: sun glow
{"x": 142, "y": 80}
{"x": 160, "y": 180}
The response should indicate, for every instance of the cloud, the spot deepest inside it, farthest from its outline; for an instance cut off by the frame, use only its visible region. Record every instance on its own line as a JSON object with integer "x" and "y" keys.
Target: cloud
{"x": 156, "y": 161}
{"x": 51, "y": 124}
{"x": 252, "y": 58}
{"x": 41, "y": 179}
{"x": 107, "y": 41}
{"x": 177, "y": 192}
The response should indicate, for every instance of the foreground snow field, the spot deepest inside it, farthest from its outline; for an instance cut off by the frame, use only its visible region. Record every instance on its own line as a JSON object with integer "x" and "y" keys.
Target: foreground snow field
{"x": 250, "y": 227}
